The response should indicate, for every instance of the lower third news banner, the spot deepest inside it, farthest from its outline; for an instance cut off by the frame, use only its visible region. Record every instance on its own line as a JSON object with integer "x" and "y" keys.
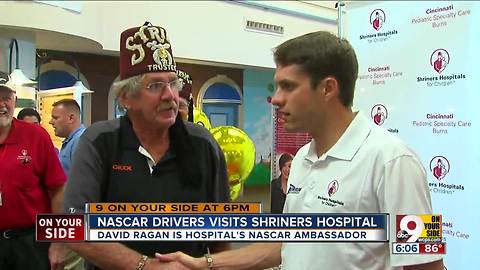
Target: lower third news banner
{"x": 207, "y": 222}
{"x": 238, "y": 227}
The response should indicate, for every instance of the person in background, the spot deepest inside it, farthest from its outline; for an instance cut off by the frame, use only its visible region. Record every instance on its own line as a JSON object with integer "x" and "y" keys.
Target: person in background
{"x": 350, "y": 166}
{"x": 183, "y": 108}
{"x": 148, "y": 155}
{"x": 29, "y": 115}
{"x": 66, "y": 123}
{"x": 31, "y": 182}
{"x": 185, "y": 100}
{"x": 278, "y": 187}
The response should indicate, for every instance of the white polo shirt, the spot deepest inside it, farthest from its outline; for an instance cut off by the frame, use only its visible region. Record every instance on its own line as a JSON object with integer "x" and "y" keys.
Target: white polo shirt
{"x": 368, "y": 170}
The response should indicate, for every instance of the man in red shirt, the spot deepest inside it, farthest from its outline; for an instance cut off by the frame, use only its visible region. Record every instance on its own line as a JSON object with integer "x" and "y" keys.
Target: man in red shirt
{"x": 31, "y": 182}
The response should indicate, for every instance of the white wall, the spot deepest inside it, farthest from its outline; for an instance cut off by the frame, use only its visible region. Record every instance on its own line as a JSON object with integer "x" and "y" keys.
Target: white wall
{"x": 34, "y": 15}
{"x": 198, "y": 30}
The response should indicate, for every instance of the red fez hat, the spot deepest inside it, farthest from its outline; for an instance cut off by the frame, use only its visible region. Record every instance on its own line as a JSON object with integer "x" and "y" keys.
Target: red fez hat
{"x": 145, "y": 49}
{"x": 187, "y": 84}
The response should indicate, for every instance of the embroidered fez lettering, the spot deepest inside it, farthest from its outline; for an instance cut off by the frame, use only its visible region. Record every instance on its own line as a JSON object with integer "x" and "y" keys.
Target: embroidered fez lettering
{"x": 184, "y": 76}
{"x": 155, "y": 39}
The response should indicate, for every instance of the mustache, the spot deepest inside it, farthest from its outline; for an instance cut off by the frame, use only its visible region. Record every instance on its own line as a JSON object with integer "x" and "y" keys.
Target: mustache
{"x": 167, "y": 106}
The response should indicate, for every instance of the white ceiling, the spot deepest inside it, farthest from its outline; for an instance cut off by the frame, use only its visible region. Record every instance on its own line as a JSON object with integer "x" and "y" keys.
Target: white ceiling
{"x": 53, "y": 40}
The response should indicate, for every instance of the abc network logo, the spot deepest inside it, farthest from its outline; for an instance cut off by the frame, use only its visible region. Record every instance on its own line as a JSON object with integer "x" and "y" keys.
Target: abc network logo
{"x": 410, "y": 229}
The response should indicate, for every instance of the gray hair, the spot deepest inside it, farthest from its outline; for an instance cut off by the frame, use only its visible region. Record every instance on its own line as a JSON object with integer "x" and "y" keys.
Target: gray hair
{"x": 129, "y": 86}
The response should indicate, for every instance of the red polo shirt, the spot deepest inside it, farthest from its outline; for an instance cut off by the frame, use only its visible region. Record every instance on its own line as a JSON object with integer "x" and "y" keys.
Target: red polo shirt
{"x": 29, "y": 167}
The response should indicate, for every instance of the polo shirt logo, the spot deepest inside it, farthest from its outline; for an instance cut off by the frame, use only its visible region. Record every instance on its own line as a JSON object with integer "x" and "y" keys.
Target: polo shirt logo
{"x": 332, "y": 188}
{"x": 124, "y": 168}
{"x": 24, "y": 157}
{"x": 293, "y": 190}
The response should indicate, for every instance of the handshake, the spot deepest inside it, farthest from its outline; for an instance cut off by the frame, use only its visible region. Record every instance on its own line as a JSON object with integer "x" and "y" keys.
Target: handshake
{"x": 175, "y": 261}
{"x": 118, "y": 256}
{"x": 254, "y": 256}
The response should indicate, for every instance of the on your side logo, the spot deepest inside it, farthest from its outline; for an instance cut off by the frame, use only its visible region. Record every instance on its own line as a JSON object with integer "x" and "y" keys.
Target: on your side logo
{"x": 439, "y": 60}
{"x": 377, "y": 19}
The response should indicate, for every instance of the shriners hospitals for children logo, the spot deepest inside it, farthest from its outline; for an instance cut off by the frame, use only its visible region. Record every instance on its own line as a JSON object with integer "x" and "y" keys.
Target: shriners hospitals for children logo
{"x": 332, "y": 188}
{"x": 24, "y": 158}
{"x": 440, "y": 63}
{"x": 439, "y": 166}
{"x": 377, "y": 22}
{"x": 377, "y": 18}
{"x": 379, "y": 114}
{"x": 439, "y": 59}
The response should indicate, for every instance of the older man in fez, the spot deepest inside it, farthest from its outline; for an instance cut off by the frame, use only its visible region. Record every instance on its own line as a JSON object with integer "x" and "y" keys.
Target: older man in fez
{"x": 148, "y": 155}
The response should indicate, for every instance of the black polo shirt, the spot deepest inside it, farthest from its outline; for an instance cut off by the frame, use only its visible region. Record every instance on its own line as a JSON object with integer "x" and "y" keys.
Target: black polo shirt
{"x": 108, "y": 167}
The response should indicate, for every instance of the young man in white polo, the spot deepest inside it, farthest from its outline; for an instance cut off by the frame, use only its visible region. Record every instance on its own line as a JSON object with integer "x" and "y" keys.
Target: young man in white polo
{"x": 350, "y": 166}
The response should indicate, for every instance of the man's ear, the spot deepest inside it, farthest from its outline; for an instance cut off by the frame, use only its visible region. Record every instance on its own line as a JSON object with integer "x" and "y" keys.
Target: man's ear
{"x": 123, "y": 100}
{"x": 71, "y": 116}
{"x": 331, "y": 88}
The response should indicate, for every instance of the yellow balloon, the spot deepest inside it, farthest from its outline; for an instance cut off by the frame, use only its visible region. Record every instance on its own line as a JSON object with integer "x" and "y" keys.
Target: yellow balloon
{"x": 235, "y": 191}
{"x": 201, "y": 118}
{"x": 239, "y": 152}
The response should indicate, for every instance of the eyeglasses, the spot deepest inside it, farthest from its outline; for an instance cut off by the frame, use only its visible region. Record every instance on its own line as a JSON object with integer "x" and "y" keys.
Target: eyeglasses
{"x": 159, "y": 87}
